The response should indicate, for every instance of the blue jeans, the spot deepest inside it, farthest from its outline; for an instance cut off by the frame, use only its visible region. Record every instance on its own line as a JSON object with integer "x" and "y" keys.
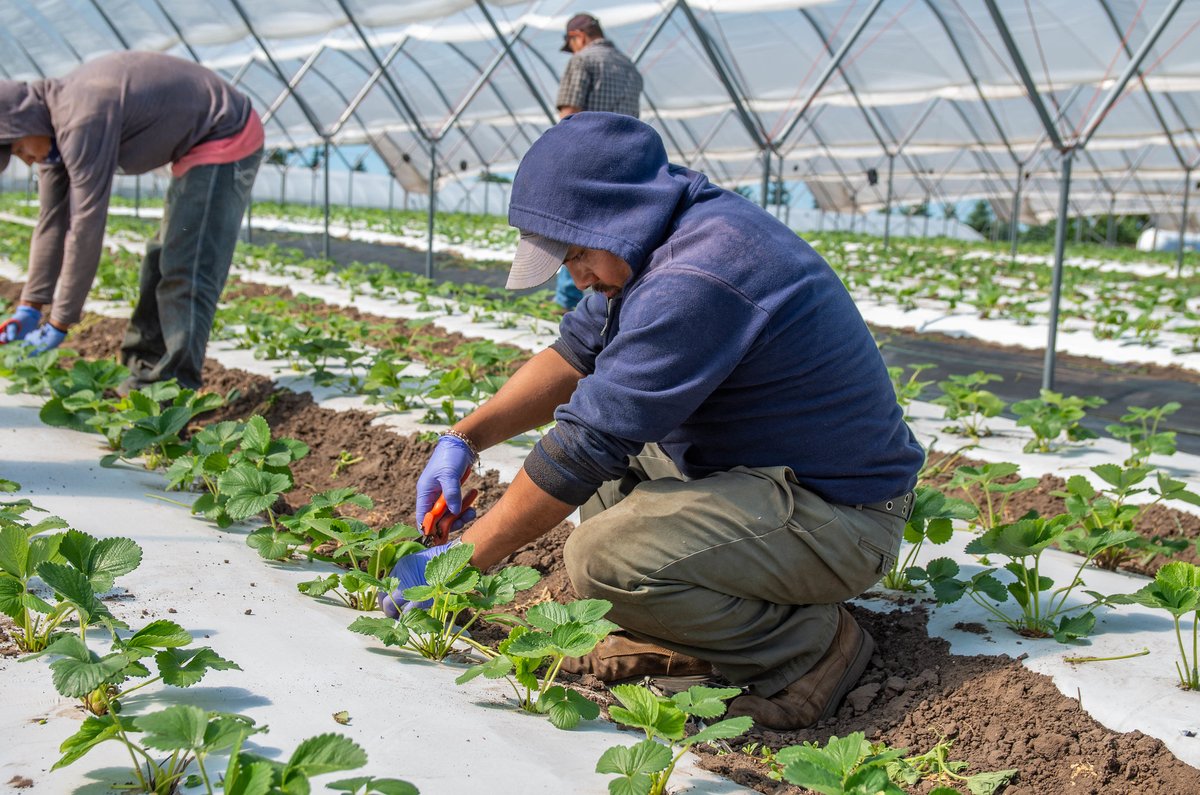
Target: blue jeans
{"x": 566, "y": 294}
{"x": 184, "y": 270}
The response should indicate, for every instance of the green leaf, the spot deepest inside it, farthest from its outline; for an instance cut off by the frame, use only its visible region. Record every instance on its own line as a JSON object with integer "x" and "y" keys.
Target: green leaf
{"x": 325, "y": 753}
{"x": 186, "y": 667}
{"x": 94, "y": 731}
{"x": 495, "y": 668}
{"x": 256, "y": 435}
{"x": 12, "y": 598}
{"x": 635, "y": 762}
{"x": 705, "y": 702}
{"x": 804, "y": 773}
{"x": 562, "y": 712}
{"x": 391, "y": 633}
{"x": 1074, "y": 627}
{"x": 14, "y": 552}
{"x": 373, "y": 786}
{"x": 112, "y": 558}
{"x": 73, "y": 586}
{"x": 177, "y": 728}
{"x": 75, "y": 679}
{"x": 722, "y": 730}
{"x": 989, "y": 783}
{"x": 443, "y": 568}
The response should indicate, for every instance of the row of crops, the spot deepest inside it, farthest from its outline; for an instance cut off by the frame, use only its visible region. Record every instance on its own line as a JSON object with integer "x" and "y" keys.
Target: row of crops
{"x": 239, "y": 470}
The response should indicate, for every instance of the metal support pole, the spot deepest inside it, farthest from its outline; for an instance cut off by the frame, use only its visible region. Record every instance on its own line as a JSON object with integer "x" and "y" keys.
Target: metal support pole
{"x": 325, "y": 245}
{"x": 1183, "y": 221}
{"x": 887, "y": 207}
{"x": 249, "y": 221}
{"x": 1110, "y": 228}
{"x": 1014, "y": 218}
{"x": 1060, "y": 243}
{"x": 137, "y": 196}
{"x": 432, "y": 207}
{"x": 391, "y": 198}
{"x": 766, "y": 176}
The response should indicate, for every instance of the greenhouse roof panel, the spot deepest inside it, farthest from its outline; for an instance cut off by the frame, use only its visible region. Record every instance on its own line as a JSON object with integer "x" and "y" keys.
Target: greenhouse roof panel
{"x": 921, "y": 80}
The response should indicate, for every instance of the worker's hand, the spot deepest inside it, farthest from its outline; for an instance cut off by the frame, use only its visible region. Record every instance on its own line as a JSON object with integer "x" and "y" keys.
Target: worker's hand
{"x": 44, "y": 338}
{"x": 24, "y": 320}
{"x": 443, "y": 475}
{"x": 410, "y": 571}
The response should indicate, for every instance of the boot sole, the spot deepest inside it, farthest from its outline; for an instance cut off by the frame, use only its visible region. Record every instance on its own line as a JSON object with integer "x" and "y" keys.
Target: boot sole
{"x": 670, "y": 685}
{"x": 852, "y": 674}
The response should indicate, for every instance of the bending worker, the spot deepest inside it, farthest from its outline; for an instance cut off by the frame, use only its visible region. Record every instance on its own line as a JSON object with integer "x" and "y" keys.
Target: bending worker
{"x": 136, "y": 112}
{"x": 722, "y": 415}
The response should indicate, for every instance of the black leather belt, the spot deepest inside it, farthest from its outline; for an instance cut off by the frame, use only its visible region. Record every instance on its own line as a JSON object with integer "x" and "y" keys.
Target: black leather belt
{"x": 900, "y": 506}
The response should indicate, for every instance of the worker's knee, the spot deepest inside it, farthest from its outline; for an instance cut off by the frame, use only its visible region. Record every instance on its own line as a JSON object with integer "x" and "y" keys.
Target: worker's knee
{"x": 594, "y": 559}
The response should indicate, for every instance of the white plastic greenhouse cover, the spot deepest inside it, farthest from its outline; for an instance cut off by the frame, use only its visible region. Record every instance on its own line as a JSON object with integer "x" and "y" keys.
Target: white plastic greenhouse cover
{"x": 952, "y": 98}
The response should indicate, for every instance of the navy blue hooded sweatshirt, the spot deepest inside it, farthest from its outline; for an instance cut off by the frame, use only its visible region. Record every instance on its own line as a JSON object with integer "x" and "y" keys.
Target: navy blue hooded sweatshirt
{"x": 734, "y": 343}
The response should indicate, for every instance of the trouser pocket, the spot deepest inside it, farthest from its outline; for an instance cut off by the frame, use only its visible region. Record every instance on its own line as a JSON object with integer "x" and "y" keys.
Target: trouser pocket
{"x": 887, "y": 558}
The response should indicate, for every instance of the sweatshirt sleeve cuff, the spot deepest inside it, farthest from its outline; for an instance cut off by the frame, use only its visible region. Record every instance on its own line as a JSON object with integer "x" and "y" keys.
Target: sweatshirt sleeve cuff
{"x": 544, "y": 467}
{"x": 564, "y": 350}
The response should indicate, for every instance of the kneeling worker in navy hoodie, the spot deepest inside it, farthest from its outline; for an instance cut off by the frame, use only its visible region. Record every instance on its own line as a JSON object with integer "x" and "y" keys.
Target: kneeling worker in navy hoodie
{"x": 722, "y": 415}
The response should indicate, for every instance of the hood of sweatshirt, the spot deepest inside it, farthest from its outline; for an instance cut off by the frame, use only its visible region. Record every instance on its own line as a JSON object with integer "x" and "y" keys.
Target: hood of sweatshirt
{"x": 23, "y": 111}
{"x": 600, "y": 180}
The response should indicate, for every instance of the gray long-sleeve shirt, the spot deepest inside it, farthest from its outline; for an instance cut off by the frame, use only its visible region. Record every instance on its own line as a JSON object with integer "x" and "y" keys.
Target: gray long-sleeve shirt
{"x": 132, "y": 111}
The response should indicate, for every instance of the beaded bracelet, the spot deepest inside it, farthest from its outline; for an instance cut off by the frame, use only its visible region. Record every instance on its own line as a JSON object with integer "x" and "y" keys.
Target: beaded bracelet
{"x": 463, "y": 438}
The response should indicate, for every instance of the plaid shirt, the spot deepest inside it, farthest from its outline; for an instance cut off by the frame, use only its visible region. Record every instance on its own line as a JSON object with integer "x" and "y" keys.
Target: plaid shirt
{"x": 600, "y": 77}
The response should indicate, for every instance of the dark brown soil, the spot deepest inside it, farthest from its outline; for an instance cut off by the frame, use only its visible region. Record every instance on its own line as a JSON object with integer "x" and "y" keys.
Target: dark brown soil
{"x": 999, "y": 714}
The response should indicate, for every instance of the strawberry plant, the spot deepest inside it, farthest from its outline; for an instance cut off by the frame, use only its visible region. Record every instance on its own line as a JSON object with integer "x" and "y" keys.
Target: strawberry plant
{"x": 966, "y": 401}
{"x": 936, "y": 766}
{"x": 188, "y": 735}
{"x": 1139, "y": 428}
{"x": 454, "y": 587}
{"x": 159, "y": 416}
{"x": 1176, "y": 589}
{"x": 932, "y": 520}
{"x": 74, "y": 565}
{"x": 908, "y": 389}
{"x": 1099, "y": 511}
{"x": 1052, "y": 415}
{"x": 552, "y": 633}
{"x": 1043, "y": 609}
{"x": 310, "y": 520}
{"x": 99, "y": 682}
{"x": 369, "y": 556}
{"x": 989, "y": 487}
{"x": 79, "y": 396}
{"x": 645, "y": 768}
{"x": 31, "y": 373}
{"x": 844, "y": 766}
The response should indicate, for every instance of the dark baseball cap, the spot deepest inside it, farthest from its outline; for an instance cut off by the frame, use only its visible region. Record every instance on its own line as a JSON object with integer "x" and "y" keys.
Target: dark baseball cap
{"x": 5, "y": 153}
{"x": 579, "y": 22}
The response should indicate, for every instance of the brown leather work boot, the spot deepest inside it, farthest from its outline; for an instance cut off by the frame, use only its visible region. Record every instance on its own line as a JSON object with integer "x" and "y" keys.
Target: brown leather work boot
{"x": 619, "y": 657}
{"x": 818, "y": 694}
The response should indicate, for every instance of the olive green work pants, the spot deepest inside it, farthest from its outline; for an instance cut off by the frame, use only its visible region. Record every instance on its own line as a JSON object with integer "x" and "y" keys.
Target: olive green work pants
{"x": 743, "y": 568}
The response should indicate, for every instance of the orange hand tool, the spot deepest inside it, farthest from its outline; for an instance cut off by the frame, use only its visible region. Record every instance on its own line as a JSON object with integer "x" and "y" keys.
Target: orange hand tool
{"x": 436, "y": 525}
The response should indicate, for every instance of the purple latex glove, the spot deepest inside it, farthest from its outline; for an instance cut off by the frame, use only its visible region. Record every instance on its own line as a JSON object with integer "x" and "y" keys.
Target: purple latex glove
{"x": 443, "y": 475}
{"x": 24, "y": 320}
{"x": 410, "y": 571}
{"x": 44, "y": 338}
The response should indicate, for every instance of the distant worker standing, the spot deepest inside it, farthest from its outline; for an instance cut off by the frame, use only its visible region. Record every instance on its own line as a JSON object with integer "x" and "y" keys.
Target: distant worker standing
{"x": 133, "y": 112}
{"x": 598, "y": 77}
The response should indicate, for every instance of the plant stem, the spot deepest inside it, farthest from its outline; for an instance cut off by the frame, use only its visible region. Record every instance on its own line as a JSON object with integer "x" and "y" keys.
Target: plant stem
{"x": 1076, "y": 660}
